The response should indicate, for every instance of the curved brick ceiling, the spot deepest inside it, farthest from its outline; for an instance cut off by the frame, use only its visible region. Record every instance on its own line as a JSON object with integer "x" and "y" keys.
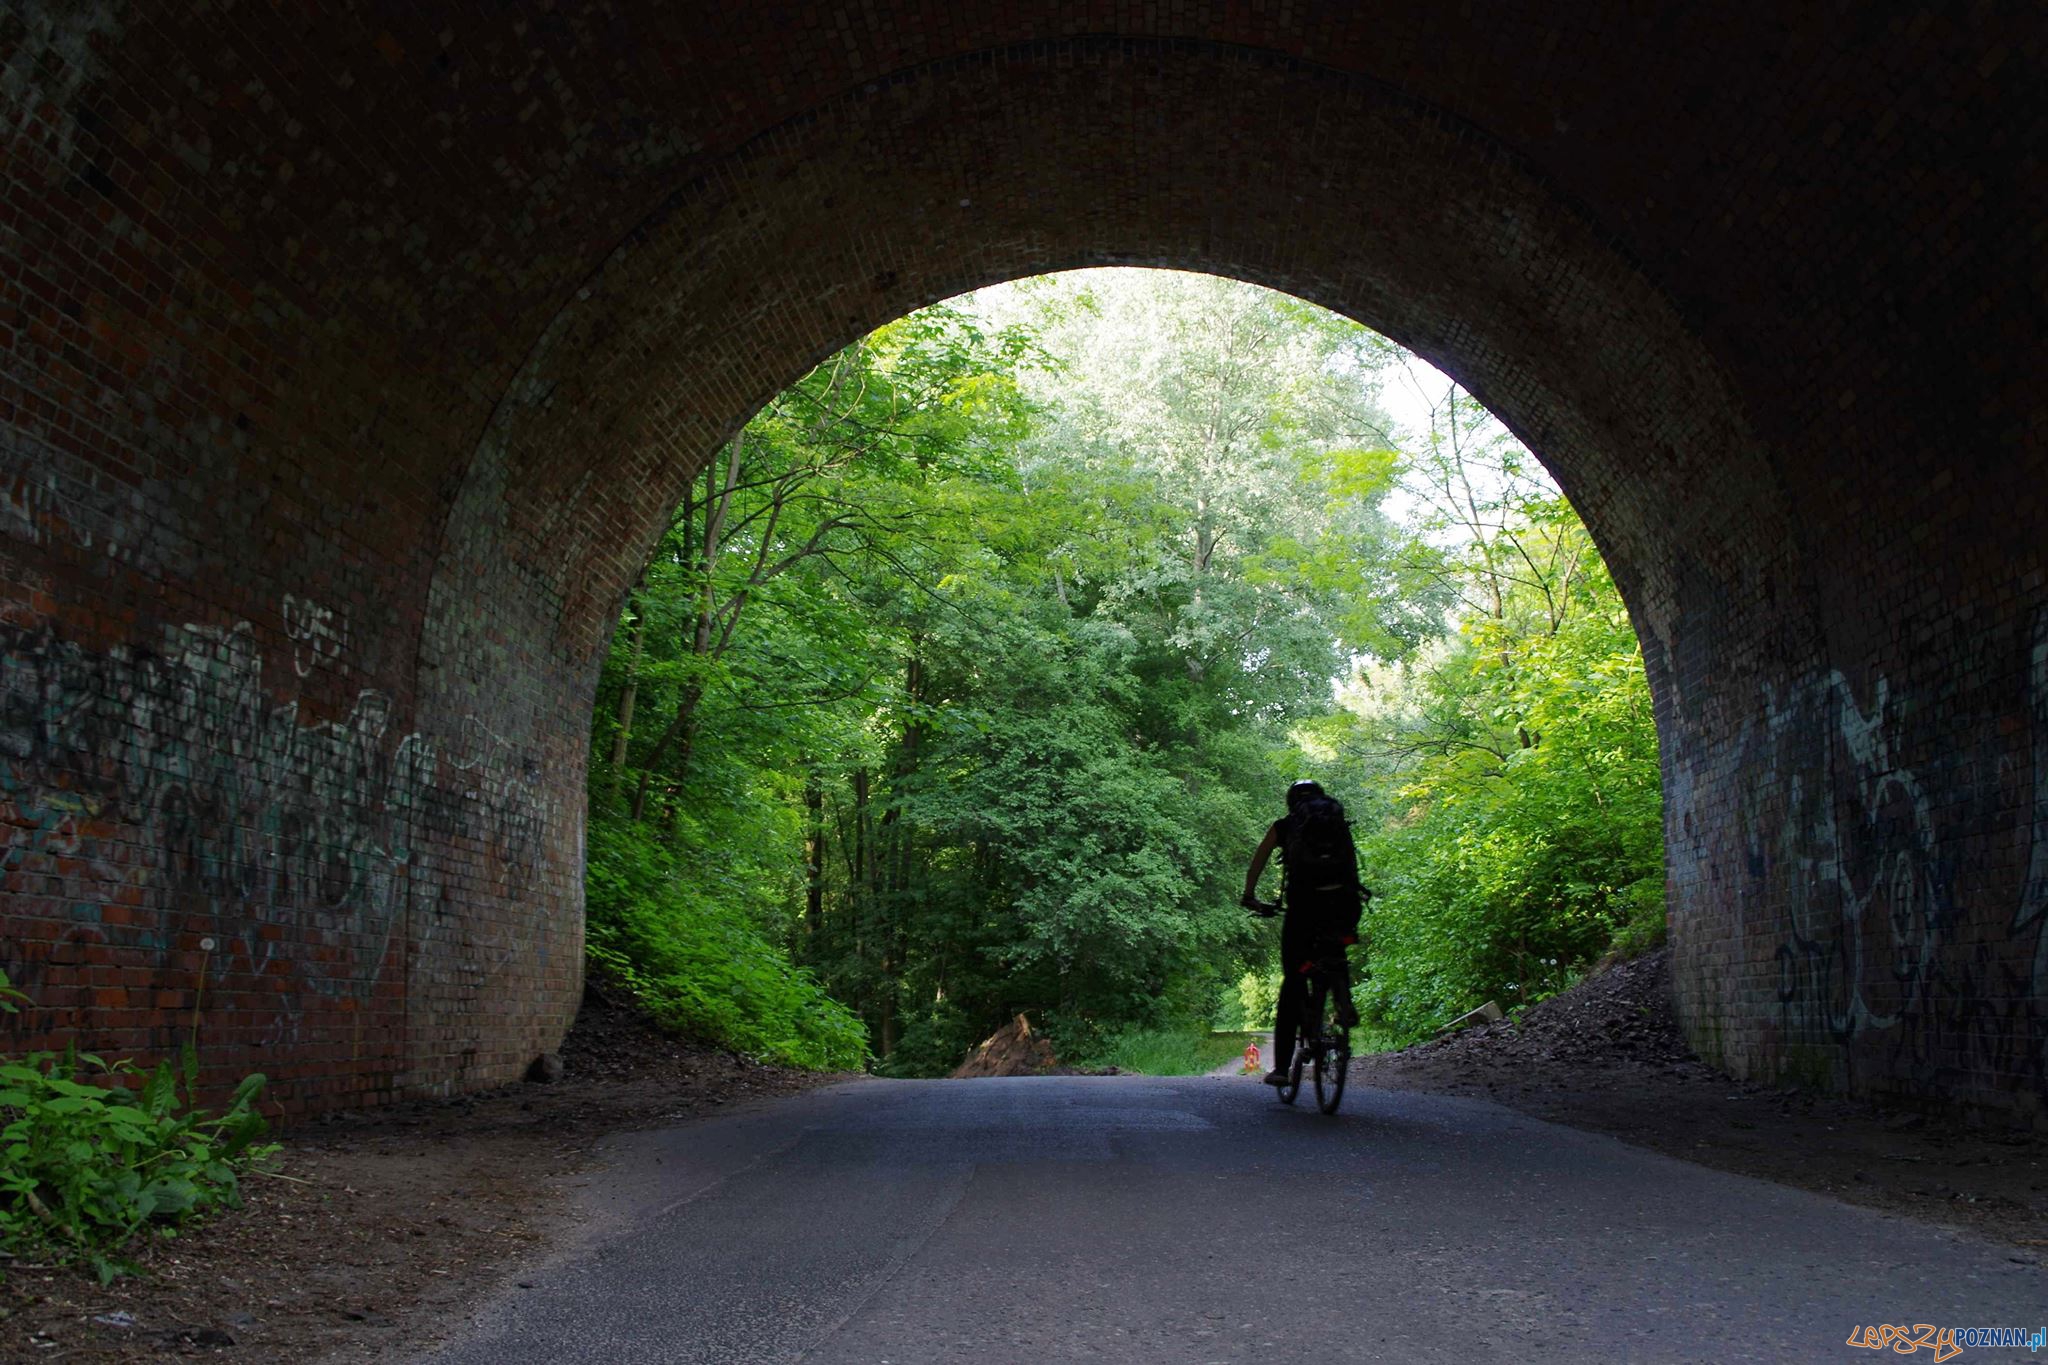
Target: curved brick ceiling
{"x": 352, "y": 359}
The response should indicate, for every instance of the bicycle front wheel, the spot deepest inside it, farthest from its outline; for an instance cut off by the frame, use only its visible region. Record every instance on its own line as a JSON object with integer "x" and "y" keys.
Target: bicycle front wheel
{"x": 1294, "y": 1064}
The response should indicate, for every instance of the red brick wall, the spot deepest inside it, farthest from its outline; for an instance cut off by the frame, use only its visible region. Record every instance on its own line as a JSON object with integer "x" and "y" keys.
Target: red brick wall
{"x": 350, "y": 359}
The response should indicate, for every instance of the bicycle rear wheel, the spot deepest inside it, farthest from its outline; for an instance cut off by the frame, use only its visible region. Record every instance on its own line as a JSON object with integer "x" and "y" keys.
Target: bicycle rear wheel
{"x": 1315, "y": 1023}
{"x": 1333, "y": 1063}
{"x": 1329, "y": 1046}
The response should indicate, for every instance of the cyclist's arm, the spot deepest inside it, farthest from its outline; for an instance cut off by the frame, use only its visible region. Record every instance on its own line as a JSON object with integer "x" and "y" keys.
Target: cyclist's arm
{"x": 1258, "y": 867}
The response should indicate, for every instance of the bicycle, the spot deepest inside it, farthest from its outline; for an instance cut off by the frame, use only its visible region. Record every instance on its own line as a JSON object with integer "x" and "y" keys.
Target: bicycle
{"x": 1323, "y": 1042}
{"x": 1323, "y": 1045}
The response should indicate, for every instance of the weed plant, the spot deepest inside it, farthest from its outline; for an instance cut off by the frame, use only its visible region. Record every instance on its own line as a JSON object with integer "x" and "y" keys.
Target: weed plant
{"x": 86, "y": 1169}
{"x": 695, "y": 956}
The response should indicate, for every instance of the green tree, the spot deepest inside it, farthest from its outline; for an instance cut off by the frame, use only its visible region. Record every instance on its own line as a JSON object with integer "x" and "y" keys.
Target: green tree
{"x": 970, "y": 670}
{"x": 746, "y": 641}
{"x": 1514, "y": 813}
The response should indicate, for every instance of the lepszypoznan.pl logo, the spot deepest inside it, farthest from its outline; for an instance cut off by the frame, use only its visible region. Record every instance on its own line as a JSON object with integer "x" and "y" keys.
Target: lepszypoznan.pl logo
{"x": 1946, "y": 1342}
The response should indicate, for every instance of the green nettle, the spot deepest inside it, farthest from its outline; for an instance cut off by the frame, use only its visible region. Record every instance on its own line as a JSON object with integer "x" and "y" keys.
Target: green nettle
{"x": 85, "y": 1169}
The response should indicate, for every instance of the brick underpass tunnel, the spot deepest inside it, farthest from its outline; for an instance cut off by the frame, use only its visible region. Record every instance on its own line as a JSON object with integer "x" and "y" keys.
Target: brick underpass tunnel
{"x": 353, "y": 354}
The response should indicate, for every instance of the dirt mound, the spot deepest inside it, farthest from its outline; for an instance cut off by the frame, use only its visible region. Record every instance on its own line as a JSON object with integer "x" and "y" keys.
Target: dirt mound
{"x": 1620, "y": 1018}
{"x": 1012, "y": 1050}
{"x": 613, "y": 1041}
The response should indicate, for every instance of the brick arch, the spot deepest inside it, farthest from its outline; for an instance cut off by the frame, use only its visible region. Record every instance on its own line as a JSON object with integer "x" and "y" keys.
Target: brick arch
{"x": 1492, "y": 275}
{"x": 335, "y": 438}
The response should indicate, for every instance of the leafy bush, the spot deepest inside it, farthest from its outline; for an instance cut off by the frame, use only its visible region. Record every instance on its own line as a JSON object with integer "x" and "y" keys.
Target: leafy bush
{"x": 85, "y": 1169}
{"x": 935, "y": 1039}
{"x": 1644, "y": 926}
{"x": 1257, "y": 996}
{"x": 697, "y": 962}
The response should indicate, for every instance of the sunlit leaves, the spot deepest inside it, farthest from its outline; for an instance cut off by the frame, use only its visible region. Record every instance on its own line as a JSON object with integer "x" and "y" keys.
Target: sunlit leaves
{"x": 1522, "y": 825}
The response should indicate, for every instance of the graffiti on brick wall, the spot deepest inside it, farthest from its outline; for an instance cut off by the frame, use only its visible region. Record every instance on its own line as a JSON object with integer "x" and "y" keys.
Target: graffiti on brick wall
{"x": 1844, "y": 831}
{"x": 169, "y": 783}
{"x": 319, "y": 634}
{"x": 2031, "y": 914}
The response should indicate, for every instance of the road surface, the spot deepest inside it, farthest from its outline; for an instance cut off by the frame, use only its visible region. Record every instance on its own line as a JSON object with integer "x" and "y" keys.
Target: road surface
{"x": 1133, "y": 1219}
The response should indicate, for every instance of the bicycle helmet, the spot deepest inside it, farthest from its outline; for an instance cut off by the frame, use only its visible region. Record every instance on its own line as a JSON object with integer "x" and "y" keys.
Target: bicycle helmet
{"x": 1305, "y": 789}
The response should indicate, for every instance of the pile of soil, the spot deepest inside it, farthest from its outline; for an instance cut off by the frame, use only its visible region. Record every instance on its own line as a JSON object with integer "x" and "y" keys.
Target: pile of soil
{"x": 378, "y": 1228}
{"x": 1608, "y": 1056}
{"x": 1621, "y": 1018}
{"x": 1012, "y": 1050}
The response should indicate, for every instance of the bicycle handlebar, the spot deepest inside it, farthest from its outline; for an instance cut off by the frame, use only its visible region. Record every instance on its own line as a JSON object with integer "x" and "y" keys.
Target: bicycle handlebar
{"x": 1268, "y": 909}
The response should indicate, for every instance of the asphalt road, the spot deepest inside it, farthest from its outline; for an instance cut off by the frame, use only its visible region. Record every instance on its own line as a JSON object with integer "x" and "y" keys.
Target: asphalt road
{"x": 1130, "y": 1219}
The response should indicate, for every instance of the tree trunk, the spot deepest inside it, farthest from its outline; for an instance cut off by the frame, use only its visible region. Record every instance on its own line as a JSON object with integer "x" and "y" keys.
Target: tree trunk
{"x": 717, "y": 501}
{"x": 887, "y": 1033}
{"x": 631, "y": 694}
{"x": 893, "y": 855}
{"x": 681, "y": 727}
{"x": 814, "y": 856}
{"x": 860, "y": 897}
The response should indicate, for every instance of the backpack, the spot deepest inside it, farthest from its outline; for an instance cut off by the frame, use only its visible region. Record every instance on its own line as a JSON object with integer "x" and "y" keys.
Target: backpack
{"x": 1317, "y": 846}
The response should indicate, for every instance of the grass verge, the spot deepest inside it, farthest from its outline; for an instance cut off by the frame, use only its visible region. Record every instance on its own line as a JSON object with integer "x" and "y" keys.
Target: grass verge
{"x": 1174, "y": 1052}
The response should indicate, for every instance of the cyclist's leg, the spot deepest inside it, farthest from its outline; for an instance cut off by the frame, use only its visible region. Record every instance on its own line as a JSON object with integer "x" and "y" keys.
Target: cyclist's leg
{"x": 1296, "y": 944}
{"x": 1340, "y": 983}
{"x": 1287, "y": 1018}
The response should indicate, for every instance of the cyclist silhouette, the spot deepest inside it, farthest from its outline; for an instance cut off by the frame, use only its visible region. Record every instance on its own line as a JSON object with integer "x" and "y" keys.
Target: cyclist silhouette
{"x": 1319, "y": 887}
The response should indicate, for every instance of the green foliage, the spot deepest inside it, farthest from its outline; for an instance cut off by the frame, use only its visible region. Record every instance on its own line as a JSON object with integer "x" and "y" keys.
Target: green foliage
{"x": 967, "y": 690}
{"x": 1641, "y": 925}
{"x": 86, "y": 1168}
{"x": 698, "y": 962}
{"x": 1183, "y": 1050}
{"x": 1521, "y": 832}
{"x": 970, "y": 671}
{"x": 1257, "y": 996}
{"x": 935, "y": 1037}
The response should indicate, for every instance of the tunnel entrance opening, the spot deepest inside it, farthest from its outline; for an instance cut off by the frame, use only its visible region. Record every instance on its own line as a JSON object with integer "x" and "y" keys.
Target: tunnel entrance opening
{"x": 328, "y": 454}
{"x": 969, "y": 671}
